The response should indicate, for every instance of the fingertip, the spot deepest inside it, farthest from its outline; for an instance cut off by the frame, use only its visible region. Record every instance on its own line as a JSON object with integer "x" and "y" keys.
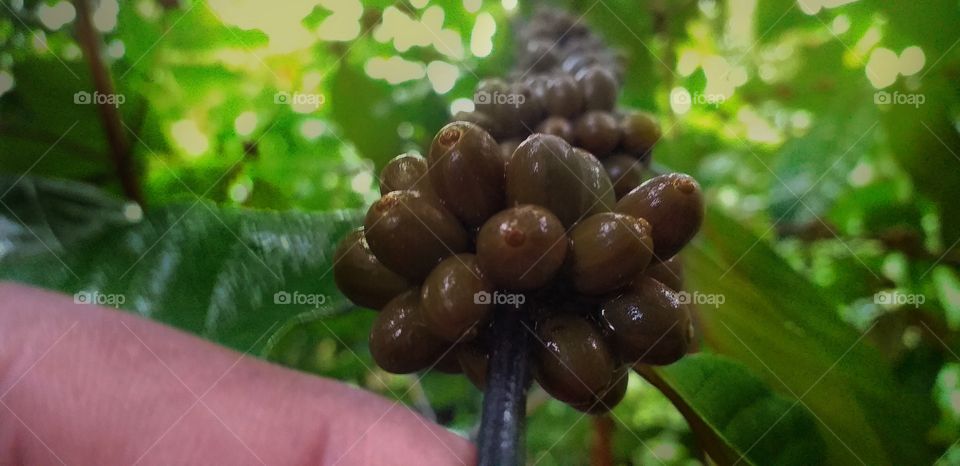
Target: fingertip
{"x": 168, "y": 397}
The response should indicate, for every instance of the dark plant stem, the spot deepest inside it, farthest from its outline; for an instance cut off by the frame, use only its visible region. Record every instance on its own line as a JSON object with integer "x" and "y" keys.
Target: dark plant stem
{"x": 120, "y": 151}
{"x": 500, "y": 440}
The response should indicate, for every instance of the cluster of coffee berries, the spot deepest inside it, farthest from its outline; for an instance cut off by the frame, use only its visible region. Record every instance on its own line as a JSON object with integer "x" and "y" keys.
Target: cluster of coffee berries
{"x": 533, "y": 225}
{"x": 566, "y": 84}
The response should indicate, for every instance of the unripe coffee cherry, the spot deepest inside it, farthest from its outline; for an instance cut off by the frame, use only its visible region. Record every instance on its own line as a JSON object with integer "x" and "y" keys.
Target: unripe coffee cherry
{"x": 578, "y": 60}
{"x": 484, "y": 101}
{"x": 405, "y": 172}
{"x": 597, "y": 132}
{"x": 361, "y": 277}
{"x": 467, "y": 172}
{"x": 560, "y": 95}
{"x": 557, "y": 126}
{"x": 673, "y": 204}
{"x": 525, "y": 107}
{"x": 483, "y": 120}
{"x": 410, "y": 234}
{"x": 574, "y": 363}
{"x": 599, "y": 88}
{"x": 507, "y": 148}
{"x": 607, "y": 250}
{"x": 474, "y": 360}
{"x": 546, "y": 171}
{"x": 668, "y": 272}
{"x": 512, "y": 105}
{"x": 539, "y": 55}
{"x": 640, "y": 133}
{"x": 521, "y": 248}
{"x": 625, "y": 172}
{"x": 451, "y": 309}
{"x": 399, "y": 341}
{"x": 609, "y": 397}
{"x": 649, "y": 324}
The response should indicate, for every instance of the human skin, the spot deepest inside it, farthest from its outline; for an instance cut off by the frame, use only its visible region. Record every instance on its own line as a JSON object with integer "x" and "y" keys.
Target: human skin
{"x": 81, "y": 384}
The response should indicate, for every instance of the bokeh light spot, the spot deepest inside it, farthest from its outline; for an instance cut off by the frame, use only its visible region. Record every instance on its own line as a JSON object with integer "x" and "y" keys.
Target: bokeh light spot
{"x": 344, "y": 22}
{"x": 462, "y": 105}
{"x": 105, "y": 16}
{"x": 361, "y": 182}
{"x": 688, "y": 62}
{"x": 280, "y": 21}
{"x": 312, "y": 129}
{"x": 56, "y": 16}
{"x": 442, "y": 76}
{"x": 680, "y": 100}
{"x": 116, "y": 49}
{"x": 394, "y": 70}
{"x": 187, "y": 135}
{"x": 405, "y": 130}
{"x": 481, "y": 38}
{"x": 840, "y": 24}
{"x": 245, "y": 123}
{"x": 882, "y": 67}
{"x": 911, "y": 60}
{"x": 6, "y": 82}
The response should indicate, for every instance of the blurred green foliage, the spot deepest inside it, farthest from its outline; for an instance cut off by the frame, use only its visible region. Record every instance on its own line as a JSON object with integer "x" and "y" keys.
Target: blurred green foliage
{"x": 824, "y": 133}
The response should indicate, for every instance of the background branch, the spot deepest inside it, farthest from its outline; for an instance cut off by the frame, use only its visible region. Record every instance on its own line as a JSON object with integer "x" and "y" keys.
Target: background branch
{"x": 601, "y": 451}
{"x": 120, "y": 150}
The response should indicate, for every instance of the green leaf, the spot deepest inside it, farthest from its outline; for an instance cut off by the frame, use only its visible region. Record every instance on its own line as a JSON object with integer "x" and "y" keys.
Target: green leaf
{"x": 38, "y": 214}
{"x": 809, "y": 172}
{"x": 43, "y": 130}
{"x": 368, "y": 111}
{"x": 929, "y": 23}
{"x": 947, "y": 286}
{"x": 788, "y": 332}
{"x": 802, "y": 84}
{"x": 735, "y": 415}
{"x": 328, "y": 342}
{"x": 805, "y": 185}
{"x": 194, "y": 28}
{"x": 632, "y": 28}
{"x": 875, "y": 208}
{"x": 208, "y": 270}
{"x": 925, "y": 142}
{"x": 775, "y": 17}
